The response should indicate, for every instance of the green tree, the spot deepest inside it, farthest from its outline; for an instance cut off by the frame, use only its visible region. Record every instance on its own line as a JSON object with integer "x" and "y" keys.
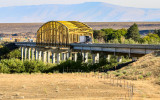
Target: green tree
{"x": 157, "y": 32}
{"x": 151, "y": 39}
{"x": 133, "y": 33}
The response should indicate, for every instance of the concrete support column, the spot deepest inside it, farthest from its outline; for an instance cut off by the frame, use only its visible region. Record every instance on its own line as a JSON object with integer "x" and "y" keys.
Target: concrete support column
{"x": 97, "y": 58}
{"x": 64, "y": 56}
{"x": 134, "y": 58}
{"x": 36, "y": 54}
{"x": 93, "y": 58}
{"x": 32, "y": 54}
{"x": 75, "y": 57}
{"x": 83, "y": 56}
{"x": 39, "y": 55}
{"x": 22, "y": 53}
{"x": 108, "y": 58}
{"x": 29, "y": 53}
{"x": 86, "y": 57}
{"x": 25, "y": 53}
{"x": 68, "y": 55}
{"x": 119, "y": 59}
{"x": 48, "y": 57}
{"x": 58, "y": 58}
{"x": 53, "y": 57}
{"x": 44, "y": 56}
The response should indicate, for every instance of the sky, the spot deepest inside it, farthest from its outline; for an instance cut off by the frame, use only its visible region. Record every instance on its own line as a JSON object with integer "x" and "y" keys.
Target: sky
{"x": 126, "y": 3}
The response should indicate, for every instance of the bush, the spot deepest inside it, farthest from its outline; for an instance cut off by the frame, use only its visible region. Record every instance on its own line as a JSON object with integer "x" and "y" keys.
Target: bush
{"x": 30, "y": 66}
{"x": 140, "y": 77}
{"x": 4, "y": 68}
{"x": 14, "y": 54}
{"x": 14, "y": 65}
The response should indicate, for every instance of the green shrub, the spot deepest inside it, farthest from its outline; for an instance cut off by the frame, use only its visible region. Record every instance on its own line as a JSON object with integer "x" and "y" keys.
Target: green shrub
{"x": 4, "y": 68}
{"x": 148, "y": 74}
{"x": 30, "y": 66}
{"x": 41, "y": 67}
{"x": 14, "y": 65}
{"x": 140, "y": 77}
{"x": 124, "y": 72}
{"x": 119, "y": 74}
{"x": 14, "y": 54}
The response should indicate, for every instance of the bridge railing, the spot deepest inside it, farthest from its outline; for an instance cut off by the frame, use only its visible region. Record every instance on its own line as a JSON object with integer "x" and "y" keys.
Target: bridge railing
{"x": 138, "y": 46}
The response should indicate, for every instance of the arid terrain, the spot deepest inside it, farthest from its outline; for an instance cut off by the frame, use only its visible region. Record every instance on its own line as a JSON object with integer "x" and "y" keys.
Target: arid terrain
{"x": 33, "y": 27}
{"x": 25, "y": 31}
{"x": 57, "y": 86}
{"x": 70, "y": 87}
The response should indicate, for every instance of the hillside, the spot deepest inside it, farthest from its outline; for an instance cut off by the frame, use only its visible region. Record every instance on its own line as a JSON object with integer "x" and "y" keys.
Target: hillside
{"x": 85, "y": 12}
{"x": 33, "y": 27}
{"x": 145, "y": 68}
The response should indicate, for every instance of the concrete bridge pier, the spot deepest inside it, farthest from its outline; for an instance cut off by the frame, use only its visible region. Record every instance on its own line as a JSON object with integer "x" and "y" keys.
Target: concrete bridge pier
{"x": 58, "y": 58}
{"x": 64, "y": 56}
{"x": 39, "y": 55}
{"x": 86, "y": 57}
{"x": 53, "y": 58}
{"x": 68, "y": 55}
{"x": 44, "y": 56}
{"x": 95, "y": 58}
{"x": 48, "y": 56}
{"x": 75, "y": 57}
{"x": 29, "y": 53}
{"x": 32, "y": 54}
{"x": 119, "y": 59}
{"x": 22, "y": 53}
{"x": 108, "y": 58}
{"x": 25, "y": 53}
{"x": 36, "y": 54}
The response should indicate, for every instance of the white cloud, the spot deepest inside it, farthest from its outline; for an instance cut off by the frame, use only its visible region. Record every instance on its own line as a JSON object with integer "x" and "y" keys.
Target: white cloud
{"x": 128, "y": 3}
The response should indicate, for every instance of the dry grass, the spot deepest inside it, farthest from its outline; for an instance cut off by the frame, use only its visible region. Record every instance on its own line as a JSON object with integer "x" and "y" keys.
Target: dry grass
{"x": 145, "y": 67}
{"x": 145, "y": 74}
{"x": 56, "y": 86}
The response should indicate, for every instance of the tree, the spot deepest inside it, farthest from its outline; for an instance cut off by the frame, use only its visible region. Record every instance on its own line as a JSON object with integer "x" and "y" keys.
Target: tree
{"x": 157, "y": 32}
{"x": 133, "y": 33}
{"x": 151, "y": 39}
{"x": 99, "y": 35}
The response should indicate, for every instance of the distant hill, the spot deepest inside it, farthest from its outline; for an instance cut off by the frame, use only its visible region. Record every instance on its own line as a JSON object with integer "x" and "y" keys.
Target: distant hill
{"x": 85, "y": 12}
{"x": 144, "y": 27}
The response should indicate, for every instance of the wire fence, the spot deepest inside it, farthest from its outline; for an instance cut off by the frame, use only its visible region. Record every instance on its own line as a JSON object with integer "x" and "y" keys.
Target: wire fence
{"x": 109, "y": 78}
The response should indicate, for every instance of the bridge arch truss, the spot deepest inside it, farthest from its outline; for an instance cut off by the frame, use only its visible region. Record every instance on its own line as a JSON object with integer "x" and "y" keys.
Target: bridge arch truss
{"x": 62, "y": 33}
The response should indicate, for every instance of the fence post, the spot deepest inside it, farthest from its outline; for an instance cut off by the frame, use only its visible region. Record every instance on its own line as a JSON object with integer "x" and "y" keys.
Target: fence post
{"x": 132, "y": 92}
{"x": 124, "y": 84}
{"x": 117, "y": 82}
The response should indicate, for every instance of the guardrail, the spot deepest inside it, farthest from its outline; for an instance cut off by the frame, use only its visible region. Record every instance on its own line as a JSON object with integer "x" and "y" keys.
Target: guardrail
{"x": 135, "y": 46}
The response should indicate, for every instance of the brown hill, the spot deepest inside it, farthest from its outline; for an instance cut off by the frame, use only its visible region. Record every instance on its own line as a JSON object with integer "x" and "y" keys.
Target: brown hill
{"x": 146, "y": 67}
{"x": 33, "y": 27}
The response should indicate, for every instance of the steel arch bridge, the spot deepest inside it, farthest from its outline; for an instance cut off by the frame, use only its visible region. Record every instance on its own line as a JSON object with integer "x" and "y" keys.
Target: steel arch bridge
{"x": 62, "y": 33}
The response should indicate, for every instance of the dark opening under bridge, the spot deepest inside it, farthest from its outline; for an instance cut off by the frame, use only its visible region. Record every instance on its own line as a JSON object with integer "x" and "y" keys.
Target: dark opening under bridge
{"x": 59, "y": 40}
